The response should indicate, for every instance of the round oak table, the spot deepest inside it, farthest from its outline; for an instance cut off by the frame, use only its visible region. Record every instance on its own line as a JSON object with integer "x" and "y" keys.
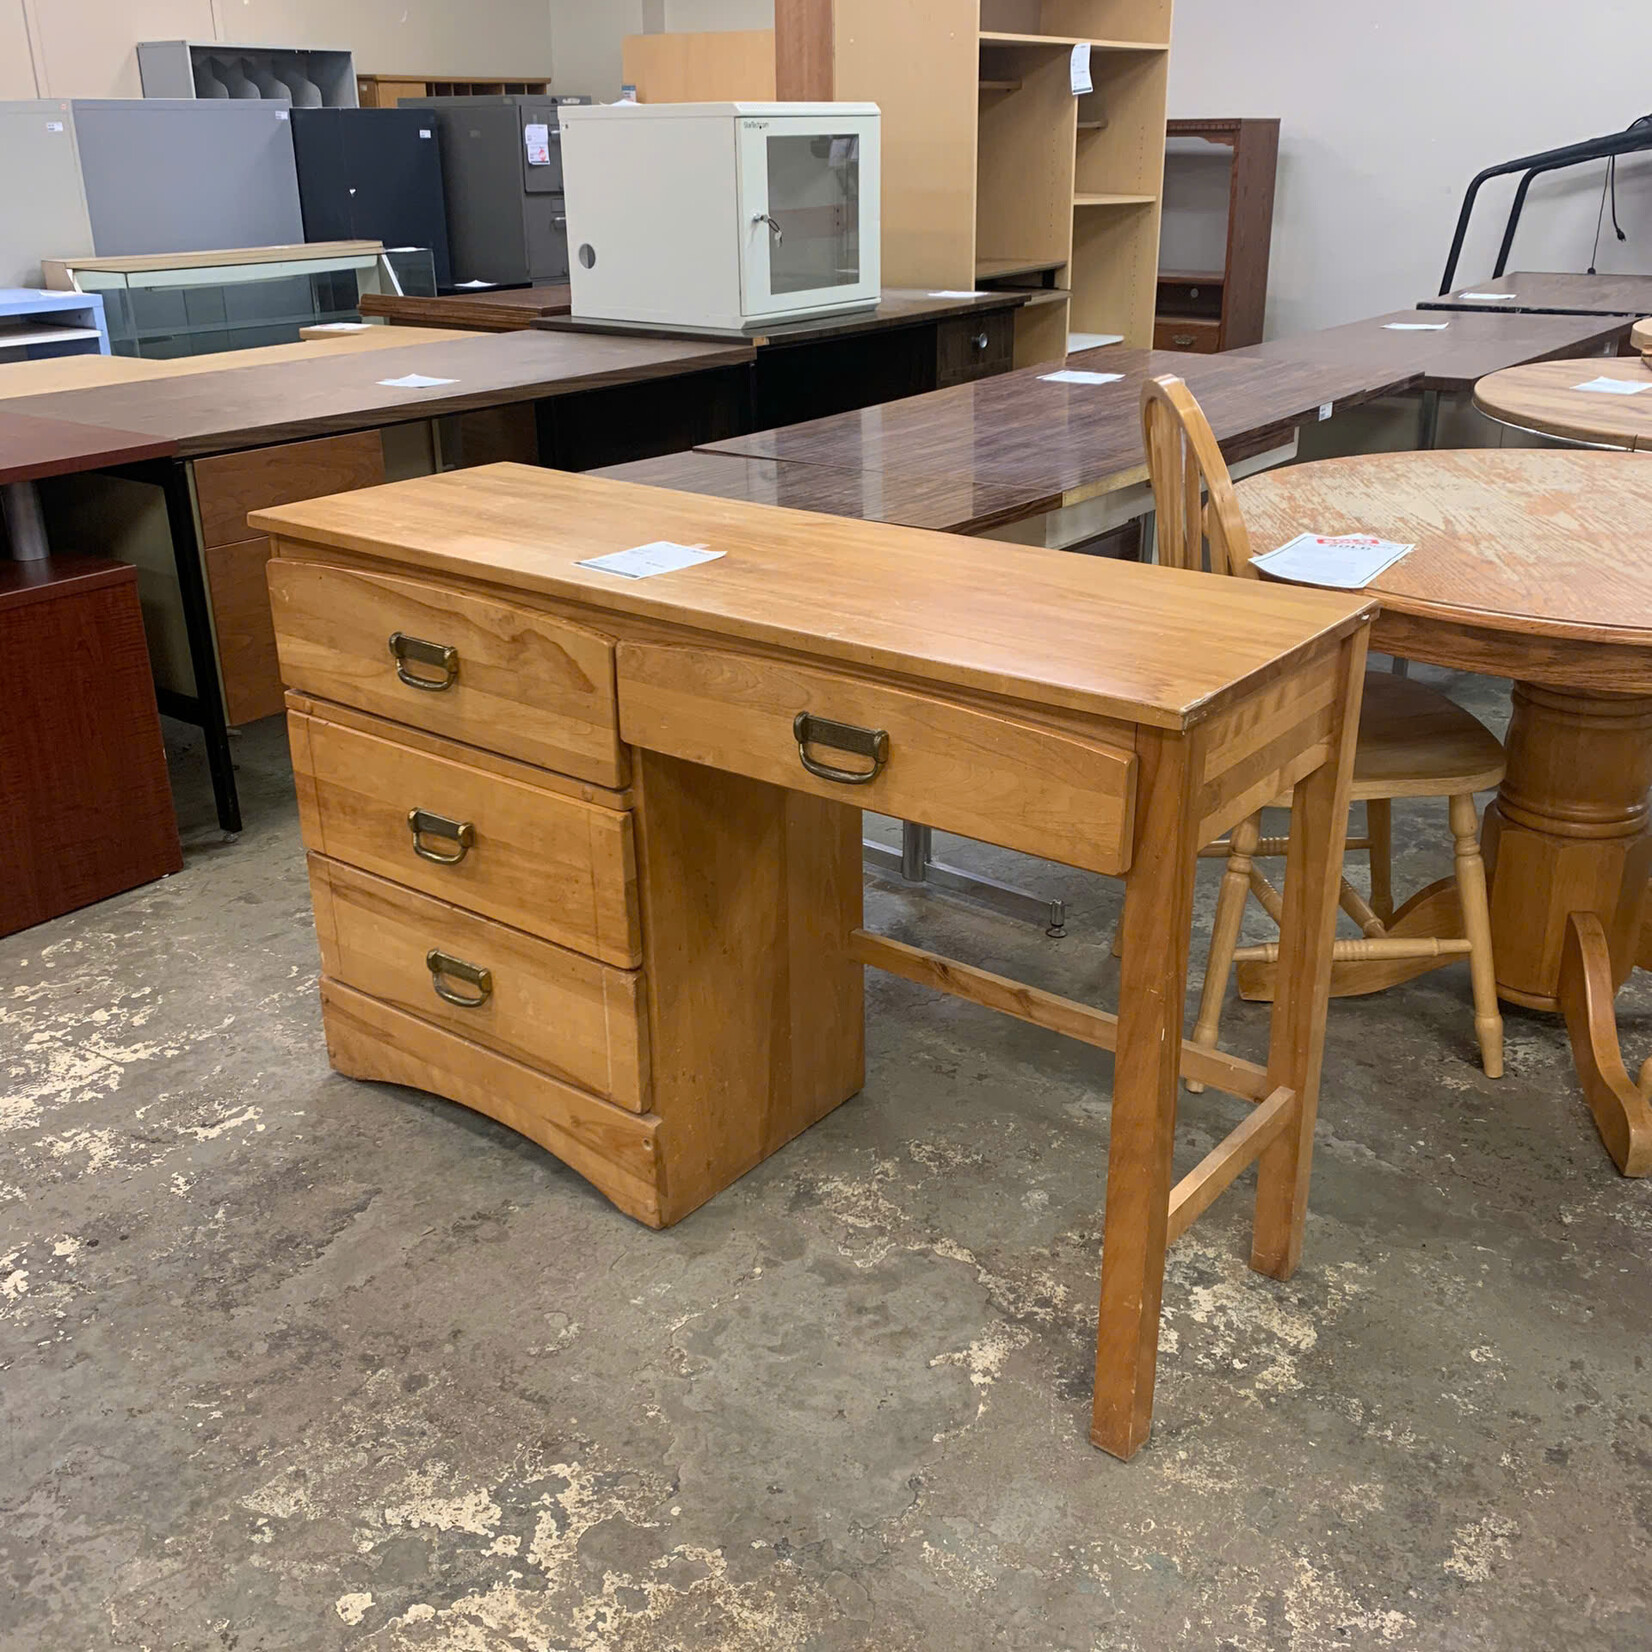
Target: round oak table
{"x": 1640, "y": 335}
{"x": 1543, "y": 397}
{"x": 1533, "y": 564}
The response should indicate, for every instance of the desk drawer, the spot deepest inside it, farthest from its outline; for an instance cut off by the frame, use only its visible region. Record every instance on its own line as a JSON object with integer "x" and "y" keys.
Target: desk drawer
{"x": 974, "y": 347}
{"x": 979, "y": 773}
{"x": 554, "y": 1010}
{"x": 240, "y": 595}
{"x": 228, "y": 487}
{"x": 1201, "y": 337}
{"x": 555, "y": 866}
{"x": 514, "y": 681}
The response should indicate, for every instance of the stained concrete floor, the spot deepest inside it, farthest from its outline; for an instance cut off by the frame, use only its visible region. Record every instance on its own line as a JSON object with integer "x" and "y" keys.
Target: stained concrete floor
{"x": 288, "y": 1361}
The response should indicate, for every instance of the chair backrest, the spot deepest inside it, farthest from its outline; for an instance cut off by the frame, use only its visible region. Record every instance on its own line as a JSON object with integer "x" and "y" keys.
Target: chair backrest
{"x": 1187, "y": 468}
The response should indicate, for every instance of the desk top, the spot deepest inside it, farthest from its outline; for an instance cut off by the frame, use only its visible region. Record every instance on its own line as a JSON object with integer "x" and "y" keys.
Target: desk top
{"x": 1063, "y": 443}
{"x": 47, "y": 578}
{"x": 332, "y": 392}
{"x": 1544, "y": 397}
{"x": 33, "y": 448}
{"x": 946, "y": 503}
{"x": 1149, "y": 645}
{"x": 42, "y": 378}
{"x": 1536, "y": 543}
{"x": 897, "y": 307}
{"x": 1555, "y": 292}
{"x": 496, "y": 310}
{"x": 1471, "y": 344}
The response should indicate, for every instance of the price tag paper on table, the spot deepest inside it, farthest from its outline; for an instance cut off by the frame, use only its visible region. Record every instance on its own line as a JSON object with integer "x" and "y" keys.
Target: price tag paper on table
{"x": 1072, "y": 375}
{"x": 1616, "y": 387}
{"x": 660, "y": 556}
{"x": 1345, "y": 562}
{"x": 415, "y": 381}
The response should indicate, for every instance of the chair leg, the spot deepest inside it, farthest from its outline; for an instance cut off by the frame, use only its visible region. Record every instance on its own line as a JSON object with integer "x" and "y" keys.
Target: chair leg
{"x": 1471, "y": 889}
{"x": 1224, "y": 933}
{"x": 1379, "y": 828}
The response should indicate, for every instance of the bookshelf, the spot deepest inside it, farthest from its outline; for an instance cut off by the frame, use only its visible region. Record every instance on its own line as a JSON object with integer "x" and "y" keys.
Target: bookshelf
{"x": 994, "y": 173}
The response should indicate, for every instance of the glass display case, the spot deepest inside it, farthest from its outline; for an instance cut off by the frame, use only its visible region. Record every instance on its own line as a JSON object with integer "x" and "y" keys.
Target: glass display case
{"x": 164, "y": 305}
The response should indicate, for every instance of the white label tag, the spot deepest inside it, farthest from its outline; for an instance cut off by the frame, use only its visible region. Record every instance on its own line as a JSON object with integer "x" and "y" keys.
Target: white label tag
{"x": 1615, "y": 387}
{"x": 1346, "y": 562}
{"x": 1080, "y": 69}
{"x": 424, "y": 131}
{"x": 1497, "y": 298}
{"x": 281, "y": 114}
{"x": 414, "y": 381}
{"x": 1072, "y": 375}
{"x": 1325, "y": 409}
{"x": 660, "y": 556}
{"x": 1416, "y": 326}
{"x": 54, "y": 126}
{"x": 949, "y": 292}
{"x": 536, "y": 135}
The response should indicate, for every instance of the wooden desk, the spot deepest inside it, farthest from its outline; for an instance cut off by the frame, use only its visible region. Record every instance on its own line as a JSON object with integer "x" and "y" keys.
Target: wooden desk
{"x": 88, "y": 809}
{"x": 1544, "y": 398}
{"x": 497, "y": 310}
{"x": 948, "y": 504}
{"x": 911, "y": 343}
{"x": 630, "y": 925}
{"x": 1528, "y": 565}
{"x": 1640, "y": 335}
{"x": 1473, "y": 344}
{"x": 1554, "y": 293}
{"x": 322, "y": 422}
{"x": 1062, "y": 444}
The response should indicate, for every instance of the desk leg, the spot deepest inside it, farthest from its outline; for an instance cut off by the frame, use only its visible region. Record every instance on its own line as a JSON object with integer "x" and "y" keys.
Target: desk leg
{"x": 25, "y": 525}
{"x": 203, "y": 652}
{"x": 1296, "y": 1037}
{"x": 1158, "y": 918}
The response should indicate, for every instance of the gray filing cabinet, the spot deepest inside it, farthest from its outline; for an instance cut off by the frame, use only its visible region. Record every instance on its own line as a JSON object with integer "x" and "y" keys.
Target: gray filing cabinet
{"x": 506, "y": 222}
{"x": 42, "y": 203}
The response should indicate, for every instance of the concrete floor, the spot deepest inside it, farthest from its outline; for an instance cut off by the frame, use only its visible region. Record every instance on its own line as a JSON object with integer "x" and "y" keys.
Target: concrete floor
{"x": 293, "y": 1362}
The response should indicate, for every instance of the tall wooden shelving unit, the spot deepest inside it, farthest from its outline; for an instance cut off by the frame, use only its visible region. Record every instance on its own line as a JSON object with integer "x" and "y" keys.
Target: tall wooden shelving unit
{"x": 994, "y": 174}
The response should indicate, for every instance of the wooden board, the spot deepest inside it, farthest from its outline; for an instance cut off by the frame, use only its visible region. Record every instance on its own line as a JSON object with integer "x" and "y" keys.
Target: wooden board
{"x": 932, "y": 607}
{"x": 60, "y": 272}
{"x": 504, "y": 310}
{"x": 33, "y": 446}
{"x": 1545, "y": 397}
{"x": 1554, "y": 292}
{"x": 228, "y": 487}
{"x": 320, "y": 396}
{"x": 715, "y": 66}
{"x": 238, "y": 588}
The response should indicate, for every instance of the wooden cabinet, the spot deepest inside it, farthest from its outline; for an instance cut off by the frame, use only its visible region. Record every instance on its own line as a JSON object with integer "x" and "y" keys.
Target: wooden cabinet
{"x": 386, "y": 91}
{"x": 974, "y": 347}
{"x": 87, "y": 809}
{"x": 1216, "y": 233}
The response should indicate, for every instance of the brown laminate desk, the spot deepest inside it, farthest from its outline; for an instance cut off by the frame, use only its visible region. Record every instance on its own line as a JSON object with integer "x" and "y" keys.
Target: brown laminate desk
{"x": 1553, "y": 292}
{"x": 250, "y": 437}
{"x": 625, "y": 916}
{"x": 501, "y": 310}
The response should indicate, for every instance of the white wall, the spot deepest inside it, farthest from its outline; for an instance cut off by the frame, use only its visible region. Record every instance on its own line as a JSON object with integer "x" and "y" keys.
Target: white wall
{"x": 1389, "y": 107}
{"x": 586, "y": 36}
{"x": 695, "y": 16}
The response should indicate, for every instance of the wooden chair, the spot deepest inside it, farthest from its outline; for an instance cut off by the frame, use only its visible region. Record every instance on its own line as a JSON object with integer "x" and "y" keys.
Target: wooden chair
{"x": 1413, "y": 742}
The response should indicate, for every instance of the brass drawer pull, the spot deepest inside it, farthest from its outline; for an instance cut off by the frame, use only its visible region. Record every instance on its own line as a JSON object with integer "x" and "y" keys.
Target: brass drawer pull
{"x": 1181, "y": 340}
{"x": 862, "y": 742}
{"x": 446, "y": 660}
{"x": 442, "y": 964}
{"x": 422, "y": 824}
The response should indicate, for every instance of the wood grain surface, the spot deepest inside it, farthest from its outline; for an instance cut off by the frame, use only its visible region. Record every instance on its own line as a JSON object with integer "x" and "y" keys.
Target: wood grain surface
{"x": 506, "y": 310}
{"x": 1152, "y": 644}
{"x": 1529, "y": 563}
{"x": 218, "y": 412}
{"x": 1545, "y": 397}
{"x": 1472, "y": 344}
{"x": 34, "y": 447}
{"x": 1063, "y": 440}
{"x": 950, "y": 504}
{"x": 1558, "y": 292}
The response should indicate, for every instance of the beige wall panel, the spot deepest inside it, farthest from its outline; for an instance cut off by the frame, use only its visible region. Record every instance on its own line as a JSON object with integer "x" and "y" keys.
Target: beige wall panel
{"x": 88, "y": 48}
{"x": 16, "y": 60}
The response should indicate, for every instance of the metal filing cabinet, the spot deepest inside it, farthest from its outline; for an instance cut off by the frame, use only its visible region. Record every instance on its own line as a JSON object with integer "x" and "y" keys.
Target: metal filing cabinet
{"x": 505, "y": 216}
{"x": 42, "y": 202}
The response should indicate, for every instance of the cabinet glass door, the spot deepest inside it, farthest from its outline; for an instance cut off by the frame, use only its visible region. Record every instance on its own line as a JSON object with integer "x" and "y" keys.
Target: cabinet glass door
{"x": 802, "y": 194}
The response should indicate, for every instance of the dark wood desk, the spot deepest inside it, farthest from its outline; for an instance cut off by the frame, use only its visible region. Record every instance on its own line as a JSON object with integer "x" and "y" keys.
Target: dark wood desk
{"x": 1473, "y": 344}
{"x": 948, "y": 504}
{"x": 87, "y": 807}
{"x": 1554, "y": 293}
{"x": 495, "y": 310}
{"x": 913, "y": 342}
{"x": 248, "y": 438}
{"x": 1062, "y": 444}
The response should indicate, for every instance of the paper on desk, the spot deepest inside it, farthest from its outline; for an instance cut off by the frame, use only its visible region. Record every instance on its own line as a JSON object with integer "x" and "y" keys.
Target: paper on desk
{"x": 476, "y": 283}
{"x": 536, "y": 135}
{"x": 1498, "y": 297}
{"x": 414, "y": 381}
{"x": 1081, "y": 69}
{"x": 644, "y": 561}
{"x": 1346, "y": 562}
{"x": 1415, "y": 326}
{"x": 958, "y": 293}
{"x": 1616, "y": 387}
{"x": 1071, "y": 375}
{"x": 341, "y": 326}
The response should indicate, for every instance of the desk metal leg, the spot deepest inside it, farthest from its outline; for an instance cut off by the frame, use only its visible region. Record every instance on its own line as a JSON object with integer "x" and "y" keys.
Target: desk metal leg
{"x": 25, "y": 525}
{"x": 205, "y": 707}
{"x": 914, "y": 863}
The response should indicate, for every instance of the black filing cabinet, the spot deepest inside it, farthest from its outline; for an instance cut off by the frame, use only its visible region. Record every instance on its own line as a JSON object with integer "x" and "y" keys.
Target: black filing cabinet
{"x": 373, "y": 175}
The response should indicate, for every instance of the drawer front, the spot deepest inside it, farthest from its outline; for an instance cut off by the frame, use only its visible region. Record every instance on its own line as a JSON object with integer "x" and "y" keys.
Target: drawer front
{"x": 514, "y": 681}
{"x": 240, "y": 591}
{"x": 228, "y": 487}
{"x": 555, "y": 1010}
{"x": 974, "y": 772}
{"x": 1202, "y": 337}
{"x": 554, "y": 866}
{"x": 974, "y": 347}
